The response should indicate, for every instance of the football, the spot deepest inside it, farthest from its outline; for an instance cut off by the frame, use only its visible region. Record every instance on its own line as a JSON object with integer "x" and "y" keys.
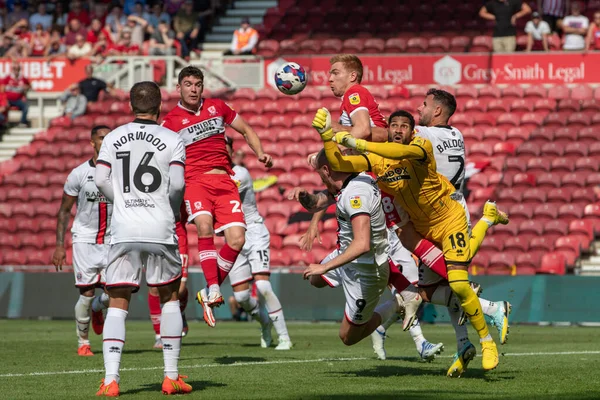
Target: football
{"x": 290, "y": 78}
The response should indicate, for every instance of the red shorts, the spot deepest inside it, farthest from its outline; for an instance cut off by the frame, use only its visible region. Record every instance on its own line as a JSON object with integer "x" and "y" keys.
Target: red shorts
{"x": 216, "y": 195}
{"x": 183, "y": 245}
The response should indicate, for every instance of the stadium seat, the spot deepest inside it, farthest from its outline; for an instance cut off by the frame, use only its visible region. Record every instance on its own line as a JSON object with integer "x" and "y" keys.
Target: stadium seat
{"x": 524, "y": 105}
{"x": 504, "y": 149}
{"x": 542, "y": 134}
{"x": 556, "y": 227}
{"x": 280, "y": 258}
{"x": 548, "y": 180}
{"x": 535, "y": 92}
{"x": 583, "y": 196}
{"x": 559, "y": 92}
{"x": 459, "y": 44}
{"x": 582, "y": 92}
{"x": 515, "y": 244}
{"x": 395, "y": 45}
{"x": 510, "y": 195}
{"x": 570, "y": 246}
{"x": 545, "y": 212}
{"x": 568, "y": 105}
{"x": 570, "y": 211}
{"x": 268, "y": 48}
{"x": 374, "y": 46}
{"x": 475, "y": 105}
{"x": 508, "y": 121}
{"x": 501, "y": 264}
{"x": 544, "y": 104}
{"x": 493, "y": 244}
{"x": 13, "y": 257}
{"x": 582, "y": 226}
{"x": 534, "y": 196}
{"x": 553, "y": 263}
{"x": 555, "y": 120}
{"x": 438, "y": 44}
{"x": 353, "y": 45}
{"x": 573, "y": 180}
{"x": 538, "y": 164}
{"x": 489, "y": 92}
{"x": 481, "y": 44}
{"x": 590, "y": 105}
{"x": 522, "y": 211}
{"x": 528, "y": 263}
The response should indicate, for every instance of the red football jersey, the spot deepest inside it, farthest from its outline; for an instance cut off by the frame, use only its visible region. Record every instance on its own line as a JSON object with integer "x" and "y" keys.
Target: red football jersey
{"x": 14, "y": 87}
{"x": 203, "y": 134}
{"x": 357, "y": 97}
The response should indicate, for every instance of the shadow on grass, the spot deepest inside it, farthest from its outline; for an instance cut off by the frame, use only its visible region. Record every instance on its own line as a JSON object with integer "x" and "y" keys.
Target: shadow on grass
{"x": 385, "y": 371}
{"x": 157, "y": 387}
{"x": 232, "y": 360}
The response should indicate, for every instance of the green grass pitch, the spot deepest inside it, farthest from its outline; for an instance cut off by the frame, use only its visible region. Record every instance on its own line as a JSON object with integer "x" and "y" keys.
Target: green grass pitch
{"x": 39, "y": 361}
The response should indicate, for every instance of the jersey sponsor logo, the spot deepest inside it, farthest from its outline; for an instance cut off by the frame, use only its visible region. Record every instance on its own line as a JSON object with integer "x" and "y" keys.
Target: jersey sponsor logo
{"x": 95, "y": 197}
{"x": 450, "y": 144}
{"x": 203, "y": 130}
{"x": 185, "y": 121}
{"x": 131, "y": 203}
{"x": 354, "y": 99}
{"x": 355, "y": 202}
{"x": 396, "y": 174}
{"x": 140, "y": 135}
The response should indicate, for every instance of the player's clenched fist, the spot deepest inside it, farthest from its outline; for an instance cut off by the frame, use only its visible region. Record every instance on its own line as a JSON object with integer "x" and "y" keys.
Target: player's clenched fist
{"x": 266, "y": 159}
{"x": 347, "y": 140}
{"x": 322, "y": 123}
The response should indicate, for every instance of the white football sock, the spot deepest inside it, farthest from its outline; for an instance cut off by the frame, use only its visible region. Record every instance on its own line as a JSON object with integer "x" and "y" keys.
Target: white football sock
{"x": 82, "y": 319}
{"x": 113, "y": 342}
{"x": 387, "y": 310}
{"x": 417, "y": 334}
{"x": 271, "y": 302}
{"x": 100, "y": 302}
{"x": 171, "y": 326}
{"x": 444, "y": 296}
{"x": 488, "y": 307}
{"x": 251, "y": 306}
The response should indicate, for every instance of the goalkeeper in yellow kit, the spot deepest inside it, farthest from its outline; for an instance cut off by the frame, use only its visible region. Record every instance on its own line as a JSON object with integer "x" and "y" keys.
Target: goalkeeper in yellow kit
{"x": 409, "y": 172}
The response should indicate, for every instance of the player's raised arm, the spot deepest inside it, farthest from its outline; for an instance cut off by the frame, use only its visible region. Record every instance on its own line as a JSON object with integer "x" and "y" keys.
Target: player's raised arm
{"x": 417, "y": 150}
{"x": 240, "y": 125}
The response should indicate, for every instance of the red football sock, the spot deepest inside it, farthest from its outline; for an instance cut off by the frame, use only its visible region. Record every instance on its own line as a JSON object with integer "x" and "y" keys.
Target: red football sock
{"x": 432, "y": 257}
{"x": 155, "y": 311}
{"x": 396, "y": 279}
{"x": 225, "y": 260}
{"x": 208, "y": 260}
{"x": 183, "y": 299}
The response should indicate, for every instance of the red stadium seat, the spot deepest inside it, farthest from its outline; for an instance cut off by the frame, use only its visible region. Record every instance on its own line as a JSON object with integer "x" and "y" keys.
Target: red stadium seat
{"x": 481, "y": 44}
{"x": 395, "y": 45}
{"x": 501, "y": 264}
{"x": 555, "y": 120}
{"x": 513, "y": 92}
{"x": 522, "y": 211}
{"x": 280, "y": 258}
{"x": 523, "y": 180}
{"x": 570, "y": 211}
{"x": 354, "y": 45}
{"x": 511, "y": 195}
{"x": 590, "y": 105}
{"x": 504, "y": 148}
{"x": 538, "y": 164}
{"x": 529, "y": 149}
{"x": 534, "y": 196}
{"x": 583, "y": 196}
{"x": 572, "y": 180}
{"x": 528, "y": 263}
{"x": 552, "y": 150}
{"x": 559, "y": 92}
{"x": 310, "y": 46}
{"x": 478, "y": 181}
{"x": 245, "y": 93}
{"x": 568, "y": 105}
{"x": 570, "y": 247}
{"x": 480, "y": 149}
{"x": 535, "y": 92}
{"x": 268, "y": 48}
{"x": 579, "y": 120}
{"x": 545, "y": 104}
{"x": 479, "y": 263}
{"x": 489, "y": 92}
{"x": 545, "y": 212}
{"x": 576, "y": 149}
{"x": 475, "y": 105}
{"x": 562, "y": 164}
{"x": 553, "y": 263}
{"x": 548, "y": 180}
{"x": 541, "y": 243}
{"x": 483, "y": 119}
{"x": 515, "y": 244}
{"x": 591, "y": 213}
{"x": 582, "y": 226}
{"x": 508, "y": 120}
{"x": 459, "y": 44}
{"x": 416, "y": 45}
{"x": 438, "y": 44}
{"x": 532, "y": 227}
{"x": 374, "y": 46}
{"x": 582, "y": 92}
{"x": 556, "y": 227}
{"x": 521, "y": 105}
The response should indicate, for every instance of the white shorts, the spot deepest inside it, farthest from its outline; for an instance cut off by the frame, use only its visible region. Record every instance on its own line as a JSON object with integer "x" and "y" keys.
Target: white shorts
{"x": 254, "y": 257}
{"x": 161, "y": 262}
{"x": 427, "y": 277}
{"x": 89, "y": 263}
{"x": 363, "y": 286}
{"x": 402, "y": 258}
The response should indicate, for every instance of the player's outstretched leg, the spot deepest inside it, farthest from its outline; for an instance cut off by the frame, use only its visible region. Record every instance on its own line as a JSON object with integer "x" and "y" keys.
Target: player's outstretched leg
{"x": 499, "y": 312}
{"x": 427, "y": 350}
{"x": 82, "y": 320}
{"x": 407, "y": 296}
{"x": 155, "y": 315}
{"x": 491, "y": 216}
{"x": 270, "y": 300}
{"x": 99, "y": 304}
{"x": 241, "y": 293}
{"x": 379, "y": 335}
{"x": 459, "y": 283}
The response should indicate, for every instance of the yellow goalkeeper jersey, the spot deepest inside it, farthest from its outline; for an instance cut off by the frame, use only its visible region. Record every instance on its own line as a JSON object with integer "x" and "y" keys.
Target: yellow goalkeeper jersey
{"x": 417, "y": 187}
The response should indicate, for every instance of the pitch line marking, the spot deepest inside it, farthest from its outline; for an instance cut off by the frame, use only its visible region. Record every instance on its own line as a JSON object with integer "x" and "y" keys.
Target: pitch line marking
{"x": 276, "y": 362}
{"x": 240, "y": 364}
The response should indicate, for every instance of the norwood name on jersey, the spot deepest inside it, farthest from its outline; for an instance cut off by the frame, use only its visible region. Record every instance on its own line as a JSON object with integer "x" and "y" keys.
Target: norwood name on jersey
{"x": 139, "y": 135}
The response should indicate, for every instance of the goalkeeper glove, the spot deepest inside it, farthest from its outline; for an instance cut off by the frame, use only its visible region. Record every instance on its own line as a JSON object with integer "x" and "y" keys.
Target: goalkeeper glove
{"x": 347, "y": 140}
{"x": 322, "y": 123}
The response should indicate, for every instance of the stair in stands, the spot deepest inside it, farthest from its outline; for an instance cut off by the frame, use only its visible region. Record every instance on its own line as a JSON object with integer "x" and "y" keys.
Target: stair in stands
{"x": 591, "y": 266}
{"x": 220, "y": 36}
{"x": 15, "y": 138}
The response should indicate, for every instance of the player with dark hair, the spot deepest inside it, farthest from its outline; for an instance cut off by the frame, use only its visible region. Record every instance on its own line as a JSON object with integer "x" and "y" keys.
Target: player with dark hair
{"x": 91, "y": 234}
{"x": 141, "y": 170}
{"x": 211, "y": 197}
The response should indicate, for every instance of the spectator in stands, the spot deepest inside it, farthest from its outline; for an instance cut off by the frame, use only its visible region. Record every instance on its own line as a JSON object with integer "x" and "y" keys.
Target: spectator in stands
{"x": 592, "y": 41}
{"x": 187, "y": 28}
{"x": 99, "y": 11}
{"x": 80, "y": 49}
{"x": 91, "y": 87}
{"x": 238, "y": 157}
{"x": 4, "y": 107}
{"x": 134, "y": 7}
{"x": 7, "y": 44}
{"x": 2, "y": 19}
{"x": 59, "y": 17}
{"x": 137, "y": 26}
{"x": 39, "y": 41}
{"x": 244, "y": 40}
{"x": 95, "y": 30}
{"x": 72, "y": 30}
{"x": 41, "y": 17}
{"x": 172, "y": 6}
{"x": 537, "y": 31}
{"x": 75, "y": 103}
{"x": 100, "y": 48}
{"x": 116, "y": 19}
{"x": 16, "y": 87}
{"x": 20, "y": 49}
{"x": 79, "y": 13}
{"x": 553, "y": 10}
{"x": 124, "y": 47}
{"x": 575, "y": 28}
{"x": 505, "y": 14}
{"x": 157, "y": 15}
{"x": 161, "y": 41}
{"x": 55, "y": 46}
{"x": 18, "y": 13}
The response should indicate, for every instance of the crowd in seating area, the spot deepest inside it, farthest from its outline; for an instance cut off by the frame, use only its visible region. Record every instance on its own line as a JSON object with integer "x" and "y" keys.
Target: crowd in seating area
{"x": 102, "y": 28}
